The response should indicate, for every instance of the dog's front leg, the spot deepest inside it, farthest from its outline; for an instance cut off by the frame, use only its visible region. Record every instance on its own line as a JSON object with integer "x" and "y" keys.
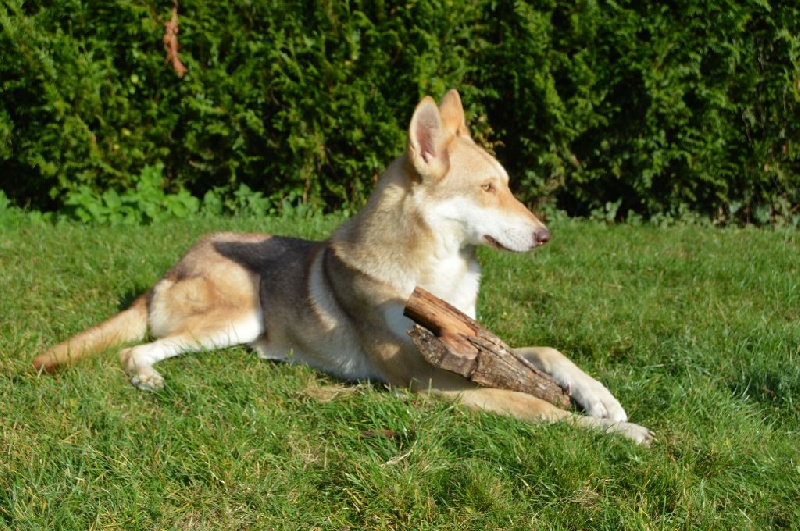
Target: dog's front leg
{"x": 588, "y": 393}
{"x": 530, "y": 408}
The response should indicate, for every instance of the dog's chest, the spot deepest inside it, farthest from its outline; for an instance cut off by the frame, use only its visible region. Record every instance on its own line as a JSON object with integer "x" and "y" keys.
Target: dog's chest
{"x": 456, "y": 280}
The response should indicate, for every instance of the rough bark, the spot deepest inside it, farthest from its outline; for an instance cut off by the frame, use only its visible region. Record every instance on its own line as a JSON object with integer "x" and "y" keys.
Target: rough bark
{"x": 452, "y": 341}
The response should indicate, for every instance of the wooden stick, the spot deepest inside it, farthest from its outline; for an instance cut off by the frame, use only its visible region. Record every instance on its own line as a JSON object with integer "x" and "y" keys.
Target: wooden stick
{"x": 452, "y": 341}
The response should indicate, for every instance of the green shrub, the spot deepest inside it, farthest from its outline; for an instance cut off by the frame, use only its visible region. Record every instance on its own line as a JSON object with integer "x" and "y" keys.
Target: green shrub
{"x": 145, "y": 203}
{"x": 666, "y": 108}
{"x": 657, "y": 108}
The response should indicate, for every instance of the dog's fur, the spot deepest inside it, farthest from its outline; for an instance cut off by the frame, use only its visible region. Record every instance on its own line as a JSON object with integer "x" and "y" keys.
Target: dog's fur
{"x": 338, "y": 305}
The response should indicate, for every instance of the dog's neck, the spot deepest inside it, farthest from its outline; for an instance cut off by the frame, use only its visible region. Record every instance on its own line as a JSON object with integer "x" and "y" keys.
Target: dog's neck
{"x": 390, "y": 241}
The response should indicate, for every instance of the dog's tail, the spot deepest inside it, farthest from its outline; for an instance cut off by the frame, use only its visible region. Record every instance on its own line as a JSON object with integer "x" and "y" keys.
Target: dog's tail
{"x": 128, "y": 325}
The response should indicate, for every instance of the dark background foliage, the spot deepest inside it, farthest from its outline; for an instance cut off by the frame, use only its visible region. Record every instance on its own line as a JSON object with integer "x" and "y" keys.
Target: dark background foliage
{"x": 644, "y": 107}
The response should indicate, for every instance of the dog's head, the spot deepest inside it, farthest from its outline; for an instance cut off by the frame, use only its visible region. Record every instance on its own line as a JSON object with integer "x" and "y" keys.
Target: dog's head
{"x": 463, "y": 191}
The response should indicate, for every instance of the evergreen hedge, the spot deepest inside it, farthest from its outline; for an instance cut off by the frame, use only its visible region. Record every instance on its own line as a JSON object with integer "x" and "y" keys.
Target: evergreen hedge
{"x": 646, "y": 107}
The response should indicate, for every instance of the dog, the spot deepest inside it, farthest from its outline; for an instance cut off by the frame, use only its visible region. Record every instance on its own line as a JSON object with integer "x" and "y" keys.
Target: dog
{"x": 337, "y": 305}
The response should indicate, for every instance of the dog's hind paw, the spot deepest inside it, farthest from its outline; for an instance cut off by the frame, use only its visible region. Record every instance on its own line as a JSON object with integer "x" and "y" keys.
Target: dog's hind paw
{"x": 148, "y": 379}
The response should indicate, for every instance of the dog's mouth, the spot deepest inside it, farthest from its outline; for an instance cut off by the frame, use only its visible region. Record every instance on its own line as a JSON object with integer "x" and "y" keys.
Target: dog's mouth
{"x": 496, "y": 244}
{"x": 492, "y": 242}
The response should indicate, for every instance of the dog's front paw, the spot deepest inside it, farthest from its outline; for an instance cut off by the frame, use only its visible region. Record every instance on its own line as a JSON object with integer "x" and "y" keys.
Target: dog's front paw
{"x": 590, "y": 395}
{"x": 593, "y": 397}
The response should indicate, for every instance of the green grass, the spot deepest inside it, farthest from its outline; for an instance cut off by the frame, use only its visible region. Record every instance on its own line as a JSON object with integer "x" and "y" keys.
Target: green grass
{"x": 697, "y": 332}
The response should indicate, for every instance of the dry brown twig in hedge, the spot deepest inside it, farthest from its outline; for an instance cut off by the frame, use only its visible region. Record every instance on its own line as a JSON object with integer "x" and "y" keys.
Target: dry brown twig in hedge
{"x": 171, "y": 43}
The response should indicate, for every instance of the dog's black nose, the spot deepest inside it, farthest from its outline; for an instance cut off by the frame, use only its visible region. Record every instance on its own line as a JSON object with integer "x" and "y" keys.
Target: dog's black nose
{"x": 541, "y": 236}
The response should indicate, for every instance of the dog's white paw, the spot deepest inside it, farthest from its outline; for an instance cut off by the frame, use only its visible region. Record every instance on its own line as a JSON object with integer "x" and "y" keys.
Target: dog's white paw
{"x": 143, "y": 376}
{"x": 592, "y": 396}
{"x": 148, "y": 379}
{"x": 595, "y": 399}
{"x": 634, "y": 432}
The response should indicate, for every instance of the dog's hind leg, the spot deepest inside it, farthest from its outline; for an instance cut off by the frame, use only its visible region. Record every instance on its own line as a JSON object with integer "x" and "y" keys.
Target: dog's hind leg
{"x": 588, "y": 393}
{"x": 196, "y": 335}
{"x": 215, "y": 310}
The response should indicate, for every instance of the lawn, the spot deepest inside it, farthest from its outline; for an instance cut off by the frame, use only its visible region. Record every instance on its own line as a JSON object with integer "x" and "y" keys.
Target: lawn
{"x": 696, "y": 331}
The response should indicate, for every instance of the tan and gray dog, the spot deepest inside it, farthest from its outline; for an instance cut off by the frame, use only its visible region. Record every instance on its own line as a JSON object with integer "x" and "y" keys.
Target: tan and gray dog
{"x": 337, "y": 305}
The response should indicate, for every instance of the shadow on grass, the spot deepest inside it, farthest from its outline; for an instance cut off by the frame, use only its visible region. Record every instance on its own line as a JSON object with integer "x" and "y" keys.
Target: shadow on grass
{"x": 131, "y": 295}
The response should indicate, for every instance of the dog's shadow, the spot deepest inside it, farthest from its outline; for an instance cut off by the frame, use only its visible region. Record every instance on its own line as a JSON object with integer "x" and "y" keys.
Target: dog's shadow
{"x": 127, "y": 298}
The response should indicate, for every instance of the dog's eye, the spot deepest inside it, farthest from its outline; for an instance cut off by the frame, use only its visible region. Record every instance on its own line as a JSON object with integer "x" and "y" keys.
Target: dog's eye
{"x": 488, "y": 187}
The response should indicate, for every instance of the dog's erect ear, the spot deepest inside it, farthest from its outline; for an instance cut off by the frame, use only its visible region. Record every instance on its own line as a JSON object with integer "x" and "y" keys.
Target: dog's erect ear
{"x": 453, "y": 114}
{"x": 427, "y": 139}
